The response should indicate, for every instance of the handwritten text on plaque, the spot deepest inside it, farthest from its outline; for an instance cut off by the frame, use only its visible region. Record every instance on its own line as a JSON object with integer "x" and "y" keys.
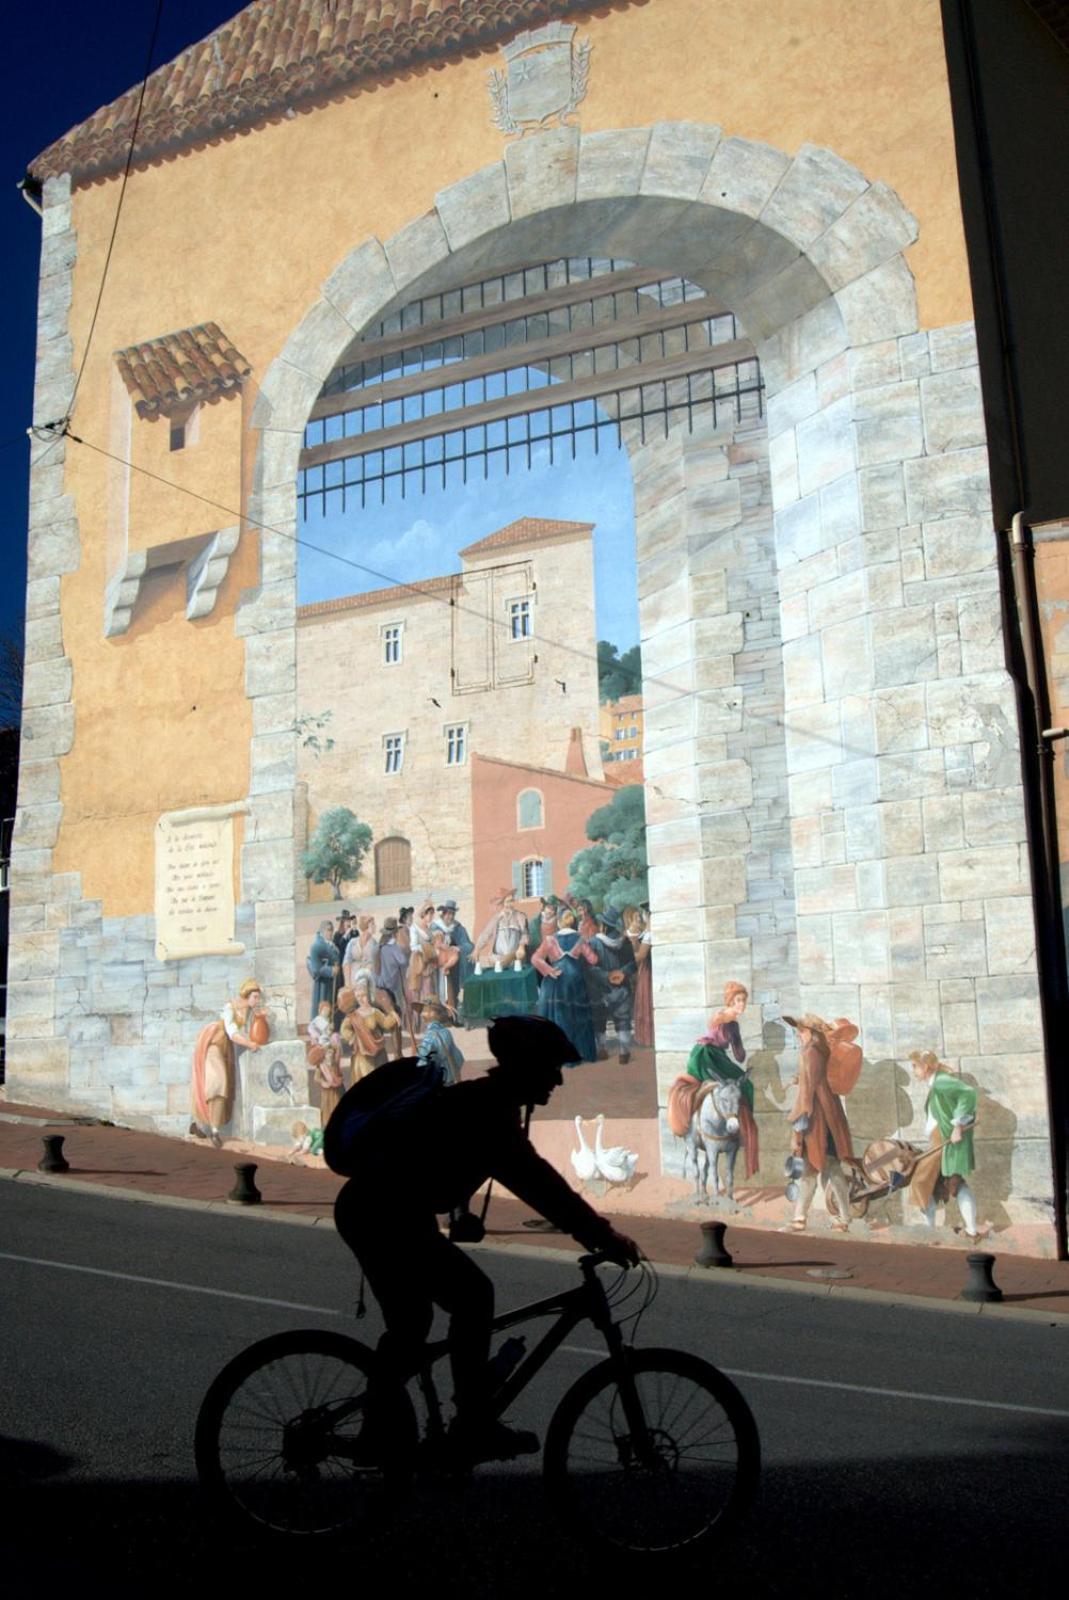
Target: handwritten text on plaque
{"x": 195, "y": 884}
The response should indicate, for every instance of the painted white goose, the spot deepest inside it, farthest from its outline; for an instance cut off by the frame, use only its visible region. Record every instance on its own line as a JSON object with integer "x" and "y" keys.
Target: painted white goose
{"x": 617, "y": 1164}
{"x": 583, "y": 1159}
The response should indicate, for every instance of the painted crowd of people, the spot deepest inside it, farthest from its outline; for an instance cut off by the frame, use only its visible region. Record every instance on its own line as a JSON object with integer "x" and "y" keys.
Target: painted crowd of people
{"x": 417, "y": 956}
{"x": 593, "y": 969}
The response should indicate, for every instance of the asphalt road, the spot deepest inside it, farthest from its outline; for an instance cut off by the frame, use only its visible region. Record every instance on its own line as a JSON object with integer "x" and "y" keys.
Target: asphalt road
{"x": 905, "y": 1450}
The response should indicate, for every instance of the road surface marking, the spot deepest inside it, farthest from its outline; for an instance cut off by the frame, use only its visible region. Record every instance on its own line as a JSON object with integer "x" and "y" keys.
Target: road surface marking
{"x": 168, "y": 1283}
{"x": 861, "y": 1388}
{"x": 572, "y": 1349}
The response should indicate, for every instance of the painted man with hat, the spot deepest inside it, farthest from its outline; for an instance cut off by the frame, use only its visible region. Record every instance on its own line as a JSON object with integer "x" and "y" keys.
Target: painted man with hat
{"x": 343, "y": 932}
{"x": 950, "y": 1115}
{"x": 392, "y": 972}
{"x": 505, "y": 937}
{"x": 457, "y": 936}
{"x": 820, "y": 1132}
{"x": 611, "y": 984}
{"x": 544, "y": 921}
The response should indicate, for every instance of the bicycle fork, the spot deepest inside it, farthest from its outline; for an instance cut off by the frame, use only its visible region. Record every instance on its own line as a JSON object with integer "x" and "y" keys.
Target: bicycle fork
{"x": 636, "y": 1447}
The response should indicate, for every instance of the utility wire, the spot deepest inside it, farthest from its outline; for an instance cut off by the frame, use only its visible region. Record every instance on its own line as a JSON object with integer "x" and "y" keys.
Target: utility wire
{"x": 119, "y": 205}
{"x": 384, "y": 578}
{"x": 400, "y": 583}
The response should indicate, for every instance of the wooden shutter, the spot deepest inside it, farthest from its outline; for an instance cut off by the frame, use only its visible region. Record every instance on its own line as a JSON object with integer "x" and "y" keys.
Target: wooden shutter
{"x": 393, "y": 866}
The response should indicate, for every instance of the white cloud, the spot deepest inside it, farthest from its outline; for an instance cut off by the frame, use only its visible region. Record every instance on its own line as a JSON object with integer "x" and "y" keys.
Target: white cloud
{"x": 418, "y": 552}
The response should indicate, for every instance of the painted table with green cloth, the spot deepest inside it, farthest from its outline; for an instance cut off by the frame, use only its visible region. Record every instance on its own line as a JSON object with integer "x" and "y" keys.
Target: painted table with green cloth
{"x": 711, "y": 1063}
{"x": 498, "y": 994}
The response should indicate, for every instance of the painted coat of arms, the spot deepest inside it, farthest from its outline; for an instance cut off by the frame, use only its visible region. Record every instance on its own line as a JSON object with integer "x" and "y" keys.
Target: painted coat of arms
{"x": 545, "y": 79}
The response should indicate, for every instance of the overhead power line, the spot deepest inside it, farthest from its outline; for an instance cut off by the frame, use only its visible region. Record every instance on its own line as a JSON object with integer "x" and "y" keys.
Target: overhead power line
{"x": 118, "y": 205}
{"x": 450, "y": 604}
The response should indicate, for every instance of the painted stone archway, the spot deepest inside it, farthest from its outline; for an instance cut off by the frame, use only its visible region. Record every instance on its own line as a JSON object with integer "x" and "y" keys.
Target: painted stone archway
{"x": 899, "y": 790}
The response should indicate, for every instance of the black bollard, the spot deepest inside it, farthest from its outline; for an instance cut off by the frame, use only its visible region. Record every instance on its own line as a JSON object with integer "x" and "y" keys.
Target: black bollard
{"x": 981, "y": 1283}
{"x": 713, "y": 1252}
{"x": 53, "y": 1159}
{"x": 245, "y": 1192}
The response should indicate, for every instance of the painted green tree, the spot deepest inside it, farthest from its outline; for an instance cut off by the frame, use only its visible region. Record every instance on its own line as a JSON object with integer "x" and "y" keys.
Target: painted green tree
{"x": 336, "y": 849}
{"x": 612, "y": 870}
{"x": 618, "y": 674}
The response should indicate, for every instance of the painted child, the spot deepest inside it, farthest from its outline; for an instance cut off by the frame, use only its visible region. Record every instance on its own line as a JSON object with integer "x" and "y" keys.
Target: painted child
{"x": 438, "y": 1050}
{"x": 306, "y": 1141}
{"x": 327, "y": 1069}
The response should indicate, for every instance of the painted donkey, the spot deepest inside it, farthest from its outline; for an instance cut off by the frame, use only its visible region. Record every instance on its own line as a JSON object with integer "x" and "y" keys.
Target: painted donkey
{"x": 714, "y": 1132}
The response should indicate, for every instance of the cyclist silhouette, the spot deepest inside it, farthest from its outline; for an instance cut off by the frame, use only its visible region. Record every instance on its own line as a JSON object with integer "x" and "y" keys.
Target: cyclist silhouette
{"x": 429, "y": 1161}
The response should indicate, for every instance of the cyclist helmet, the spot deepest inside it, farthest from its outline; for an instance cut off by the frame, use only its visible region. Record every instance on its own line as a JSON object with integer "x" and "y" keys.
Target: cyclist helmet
{"x": 530, "y": 1040}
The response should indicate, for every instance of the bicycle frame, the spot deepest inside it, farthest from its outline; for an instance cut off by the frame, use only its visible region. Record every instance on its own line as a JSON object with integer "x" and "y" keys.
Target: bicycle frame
{"x": 587, "y": 1303}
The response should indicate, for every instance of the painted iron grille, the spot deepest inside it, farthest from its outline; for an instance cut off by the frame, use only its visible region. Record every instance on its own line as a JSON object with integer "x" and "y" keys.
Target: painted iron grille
{"x": 390, "y": 400}
{"x": 454, "y": 453}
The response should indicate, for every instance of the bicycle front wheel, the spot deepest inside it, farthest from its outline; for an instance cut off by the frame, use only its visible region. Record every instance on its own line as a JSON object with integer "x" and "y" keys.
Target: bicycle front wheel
{"x": 682, "y": 1476}
{"x": 278, "y": 1438}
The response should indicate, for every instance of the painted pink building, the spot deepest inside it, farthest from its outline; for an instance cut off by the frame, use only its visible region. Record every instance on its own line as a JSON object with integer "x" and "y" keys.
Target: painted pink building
{"x": 528, "y": 823}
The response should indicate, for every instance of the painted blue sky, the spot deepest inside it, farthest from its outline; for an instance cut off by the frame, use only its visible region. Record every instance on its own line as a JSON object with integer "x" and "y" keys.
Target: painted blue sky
{"x": 419, "y": 536}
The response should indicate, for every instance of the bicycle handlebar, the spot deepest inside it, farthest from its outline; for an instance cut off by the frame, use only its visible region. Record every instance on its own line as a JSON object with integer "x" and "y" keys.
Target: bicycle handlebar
{"x": 601, "y": 1258}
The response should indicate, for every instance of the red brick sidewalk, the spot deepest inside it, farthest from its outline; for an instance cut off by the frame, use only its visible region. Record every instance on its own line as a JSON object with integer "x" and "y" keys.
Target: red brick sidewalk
{"x": 149, "y": 1165}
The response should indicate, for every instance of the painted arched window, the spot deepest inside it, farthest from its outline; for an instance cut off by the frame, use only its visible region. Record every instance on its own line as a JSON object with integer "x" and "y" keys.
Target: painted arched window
{"x": 529, "y": 809}
{"x": 393, "y": 865}
{"x": 534, "y": 878}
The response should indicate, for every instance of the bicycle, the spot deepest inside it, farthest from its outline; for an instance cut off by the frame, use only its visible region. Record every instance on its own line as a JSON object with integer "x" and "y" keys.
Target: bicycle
{"x": 652, "y": 1451}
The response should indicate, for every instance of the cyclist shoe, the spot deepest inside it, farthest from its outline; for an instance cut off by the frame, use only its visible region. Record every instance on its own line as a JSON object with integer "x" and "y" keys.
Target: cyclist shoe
{"x": 492, "y": 1441}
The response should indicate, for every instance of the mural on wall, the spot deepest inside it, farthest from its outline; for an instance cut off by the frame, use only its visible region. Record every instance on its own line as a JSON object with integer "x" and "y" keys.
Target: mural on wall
{"x": 476, "y": 813}
{"x": 475, "y": 818}
{"x": 711, "y": 1112}
{"x": 637, "y": 683}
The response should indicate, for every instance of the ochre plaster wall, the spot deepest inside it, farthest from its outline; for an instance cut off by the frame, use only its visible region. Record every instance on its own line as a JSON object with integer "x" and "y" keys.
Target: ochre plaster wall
{"x": 244, "y": 232}
{"x": 210, "y": 467}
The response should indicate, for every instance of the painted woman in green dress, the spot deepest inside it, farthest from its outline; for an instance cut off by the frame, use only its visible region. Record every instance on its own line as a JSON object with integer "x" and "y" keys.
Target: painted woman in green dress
{"x": 950, "y": 1111}
{"x": 711, "y": 1062}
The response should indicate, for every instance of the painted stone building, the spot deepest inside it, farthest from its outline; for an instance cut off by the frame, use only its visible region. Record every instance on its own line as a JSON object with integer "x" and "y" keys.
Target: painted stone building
{"x": 420, "y": 678}
{"x": 833, "y": 801}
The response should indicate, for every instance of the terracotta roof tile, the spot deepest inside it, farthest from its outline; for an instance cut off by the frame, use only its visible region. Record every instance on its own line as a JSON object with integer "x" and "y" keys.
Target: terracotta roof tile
{"x": 164, "y": 375}
{"x": 278, "y": 53}
{"x": 398, "y": 593}
{"x": 524, "y": 531}
{"x": 549, "y": 772}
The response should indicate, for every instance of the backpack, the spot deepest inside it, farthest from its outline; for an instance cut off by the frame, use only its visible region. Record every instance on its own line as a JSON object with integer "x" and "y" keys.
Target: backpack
{"x": 376, "y": 1103}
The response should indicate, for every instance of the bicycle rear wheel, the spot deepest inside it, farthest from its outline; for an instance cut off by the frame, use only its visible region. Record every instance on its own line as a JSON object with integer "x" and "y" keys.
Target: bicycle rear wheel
{"x": 691, "y": 1479}
{"x": 277, "y": 1437}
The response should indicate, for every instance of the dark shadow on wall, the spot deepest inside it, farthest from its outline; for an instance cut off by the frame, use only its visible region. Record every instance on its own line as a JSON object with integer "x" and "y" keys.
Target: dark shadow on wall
{"x": 996, "y": 1127}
